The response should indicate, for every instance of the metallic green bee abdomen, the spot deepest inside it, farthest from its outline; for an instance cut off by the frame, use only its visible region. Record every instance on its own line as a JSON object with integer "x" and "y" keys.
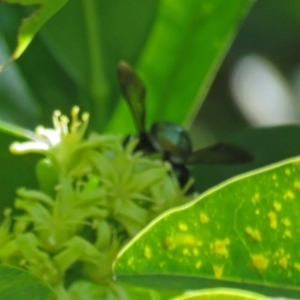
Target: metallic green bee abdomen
{"x": 170, "y": 138}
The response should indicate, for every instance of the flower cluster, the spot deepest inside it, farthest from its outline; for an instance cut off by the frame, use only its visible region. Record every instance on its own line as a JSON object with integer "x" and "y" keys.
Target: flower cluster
{"x": 95, "y": 194}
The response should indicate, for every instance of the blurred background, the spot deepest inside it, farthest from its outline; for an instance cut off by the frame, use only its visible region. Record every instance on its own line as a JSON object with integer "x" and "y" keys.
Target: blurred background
{"x": 252, "y": 102}
{"x": 258, "y": 82}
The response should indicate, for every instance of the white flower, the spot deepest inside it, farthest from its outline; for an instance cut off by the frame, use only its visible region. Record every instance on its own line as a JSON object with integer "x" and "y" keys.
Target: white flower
{"x": 58, "y": 144}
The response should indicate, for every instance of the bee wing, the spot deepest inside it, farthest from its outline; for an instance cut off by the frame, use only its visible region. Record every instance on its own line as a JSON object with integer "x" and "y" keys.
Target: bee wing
{"x": 221, "y": 153}
{"x": 134, "y": 92}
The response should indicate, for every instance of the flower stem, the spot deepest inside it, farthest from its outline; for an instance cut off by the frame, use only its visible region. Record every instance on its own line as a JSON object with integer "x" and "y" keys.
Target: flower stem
{"x": 98, "y": 86}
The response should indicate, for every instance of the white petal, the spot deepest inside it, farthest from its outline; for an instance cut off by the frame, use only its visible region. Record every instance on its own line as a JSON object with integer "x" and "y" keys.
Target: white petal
{"x": 27, "y": 147}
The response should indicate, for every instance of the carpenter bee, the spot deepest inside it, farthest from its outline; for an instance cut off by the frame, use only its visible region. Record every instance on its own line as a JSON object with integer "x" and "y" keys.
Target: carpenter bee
{"x": 169, "y": 139}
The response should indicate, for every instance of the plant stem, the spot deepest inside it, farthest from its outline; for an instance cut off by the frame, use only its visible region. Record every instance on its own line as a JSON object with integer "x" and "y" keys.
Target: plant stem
{"x": 61, "y": 293}
{"x": 15, "y": 130}
{"x": 98, "y": 87}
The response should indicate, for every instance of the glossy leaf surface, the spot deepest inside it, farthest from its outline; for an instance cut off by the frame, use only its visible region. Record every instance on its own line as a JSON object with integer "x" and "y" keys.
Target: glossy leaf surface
{"x": 243, "y": 233}
{"x": 19, "y": 284}
{"x": 215, "y": 294}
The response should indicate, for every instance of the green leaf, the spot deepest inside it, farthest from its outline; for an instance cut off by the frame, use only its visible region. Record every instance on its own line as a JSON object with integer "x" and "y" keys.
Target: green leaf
{"x": 225, "y": 294}
{"x": 15, "y": 130}
{"x": 31, "y": 25}
{"x": 19, "y": 284}
{"x": 135, "y": 292}
{"x": 242, "y": 233}
{"x": 17, "y": 102}
{"x": 29, "y": 92}
{"x": 84, "y": 290}
{"x": 183, "y": 53}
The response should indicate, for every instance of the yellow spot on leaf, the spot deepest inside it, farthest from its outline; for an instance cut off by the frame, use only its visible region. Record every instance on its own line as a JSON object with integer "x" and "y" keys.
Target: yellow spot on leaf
{"x": 182, "y": 227}
{"x": 195, "y": 251}
{"x": 253, "y": 233}
{"x": 273, "y": 219}
{"x": 130, "y": 261}
{"x": 277, "y": 206}
{"x": 198, "y": 264}
{"x": 204, "y": 218}
{"x": 220, "y": 247}
{"x": 283, "y": 261}
{"x": 148, "y": 252}
{"x": 181, "y": 239}
{"x": 255, "y": 198}
{"x": 257, "y": 211}
{"x": 286, "y": 222}
{"x": 260, "y": 262}
{"x": 297, "y": 266}
{"x": 274, "y": 177}
{"x": 287, "y": 172}
{"x": 218, "y": 271}
{"x": 186, "y": 252}
{"x": 287, "y": 233}
{"x": 187, "y": 240}
{"x": 297, "y": 185}
{"x": 288, "y": 195}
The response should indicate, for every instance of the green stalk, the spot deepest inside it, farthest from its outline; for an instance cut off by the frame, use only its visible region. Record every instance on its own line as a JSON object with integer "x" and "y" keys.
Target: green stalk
{"x": 15, "y": 130}
{"x": 98, "y": 84}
